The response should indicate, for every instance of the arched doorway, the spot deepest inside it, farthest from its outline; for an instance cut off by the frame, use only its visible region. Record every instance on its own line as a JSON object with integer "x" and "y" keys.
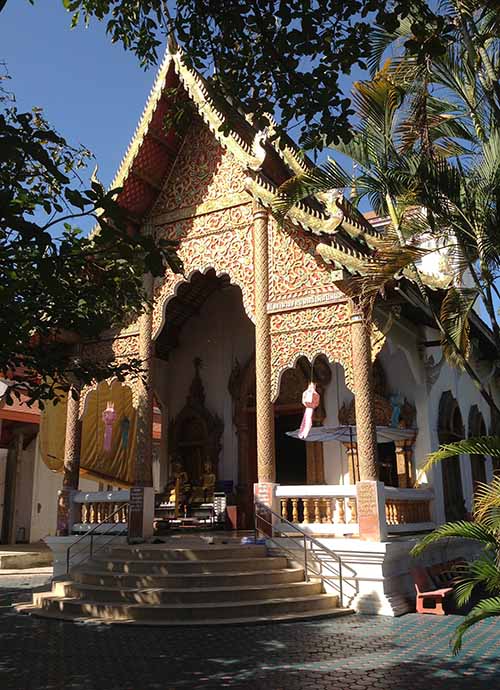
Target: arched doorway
{"x": 450, "y": 429}
{"x": 296, "y": 463}
{"x": 205, "y": 325}
{"x": 477, "y": 427}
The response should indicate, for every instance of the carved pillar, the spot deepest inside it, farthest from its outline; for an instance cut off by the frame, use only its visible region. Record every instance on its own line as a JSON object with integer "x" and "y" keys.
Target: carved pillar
{"x": 71, "y": 470}
{"x": 364, "y": 394}
{"x": 265, "y": 413}
{"x": 144, "y": 458}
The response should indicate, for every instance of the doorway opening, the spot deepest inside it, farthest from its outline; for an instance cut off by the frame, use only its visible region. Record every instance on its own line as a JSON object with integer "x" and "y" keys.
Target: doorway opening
{"x": 291, "y": 456}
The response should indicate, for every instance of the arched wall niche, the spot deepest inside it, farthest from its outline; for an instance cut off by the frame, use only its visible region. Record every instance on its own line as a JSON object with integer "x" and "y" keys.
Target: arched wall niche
{"x": 450, "y": 429}
{"x": 477, "y": 427}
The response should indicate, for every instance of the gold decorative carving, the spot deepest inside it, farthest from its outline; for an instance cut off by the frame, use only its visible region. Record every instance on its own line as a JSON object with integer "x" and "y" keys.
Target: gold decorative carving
{"x": 309, "y": 333}
{"x": 221, "y": 240}
{"x": 203, "y": 208}
{"x": 204, "y": 171}
{"x": 295, "y": 269}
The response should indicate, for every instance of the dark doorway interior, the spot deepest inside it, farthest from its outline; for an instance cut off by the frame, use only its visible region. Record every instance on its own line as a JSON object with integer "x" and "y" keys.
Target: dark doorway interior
{"x": 291, "y": 463}
{"x": 387, "y": 467}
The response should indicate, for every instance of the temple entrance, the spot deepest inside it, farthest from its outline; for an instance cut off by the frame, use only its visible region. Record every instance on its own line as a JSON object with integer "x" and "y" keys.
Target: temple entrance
{"x": 291, "y": 456}
{"x": 296, "y": 462}
{"x": 206, "y": 331}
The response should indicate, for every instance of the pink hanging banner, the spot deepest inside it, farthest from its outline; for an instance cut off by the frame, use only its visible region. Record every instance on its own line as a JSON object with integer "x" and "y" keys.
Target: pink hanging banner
{"x": 108, "y": 417}
{"x": 310, "y": 400}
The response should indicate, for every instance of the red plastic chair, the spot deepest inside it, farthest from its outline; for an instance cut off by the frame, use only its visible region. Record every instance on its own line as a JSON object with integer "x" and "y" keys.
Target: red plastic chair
{"x": 425, "y": 593}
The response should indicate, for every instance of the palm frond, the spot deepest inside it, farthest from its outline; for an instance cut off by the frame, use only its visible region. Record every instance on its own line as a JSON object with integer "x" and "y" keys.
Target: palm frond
{"x": 487, "y": 501}
{"x": 329, "y": 176}
{"x": 483, "y": 573}
{"x": 481, "y": 445}
{"x": 460, "y": 530}
{"x": 454, "y": 315}
{"x": 487, "y": 608}
{"x": 381, "y": 40}
{"x": 385, "y": 265}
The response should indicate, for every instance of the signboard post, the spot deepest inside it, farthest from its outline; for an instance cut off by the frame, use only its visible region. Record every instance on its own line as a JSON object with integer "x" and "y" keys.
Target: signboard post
{"x": 140, "y": 513}
{"x": 371, "y": 510}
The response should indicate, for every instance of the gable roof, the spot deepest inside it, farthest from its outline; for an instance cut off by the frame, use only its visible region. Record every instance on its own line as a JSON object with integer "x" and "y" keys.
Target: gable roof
{"x": 348, "y": 238}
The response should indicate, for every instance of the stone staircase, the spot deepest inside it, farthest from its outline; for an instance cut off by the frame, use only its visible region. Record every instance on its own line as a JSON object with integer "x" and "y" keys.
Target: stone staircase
{"x": 185, "y": 584}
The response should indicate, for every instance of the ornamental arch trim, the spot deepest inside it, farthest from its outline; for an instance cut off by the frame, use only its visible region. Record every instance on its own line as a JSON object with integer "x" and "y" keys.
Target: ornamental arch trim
{"x": 163, "y": 296}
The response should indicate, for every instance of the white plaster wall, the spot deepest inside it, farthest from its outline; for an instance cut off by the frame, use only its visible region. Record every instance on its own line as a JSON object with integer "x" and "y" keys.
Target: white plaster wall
{"x": 46, "y": 484}
{"x": 334, "y": 454}
{"x": 467, "y": 395}
{"x": 219, "y": 334}
{"x": 24, "y": 491}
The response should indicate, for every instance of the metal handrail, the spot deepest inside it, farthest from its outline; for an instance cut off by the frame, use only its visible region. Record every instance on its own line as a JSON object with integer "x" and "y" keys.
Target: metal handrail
{"x": 90, "y": 534}
{"x": 339, "y": 575}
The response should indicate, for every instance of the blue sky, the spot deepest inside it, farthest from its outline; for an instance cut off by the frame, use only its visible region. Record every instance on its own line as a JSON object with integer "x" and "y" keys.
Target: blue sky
{"x": 92, "y": 91}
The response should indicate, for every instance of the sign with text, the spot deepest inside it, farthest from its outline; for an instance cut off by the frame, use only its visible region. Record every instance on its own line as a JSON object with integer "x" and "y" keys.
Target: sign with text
{"x": 136, "y": 512}
{"x": 371, "y": 510}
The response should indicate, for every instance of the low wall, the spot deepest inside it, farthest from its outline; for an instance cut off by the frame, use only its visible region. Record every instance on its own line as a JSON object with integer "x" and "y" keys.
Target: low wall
{"x": 81, "y": 551}
{"x": 377, "y": 578}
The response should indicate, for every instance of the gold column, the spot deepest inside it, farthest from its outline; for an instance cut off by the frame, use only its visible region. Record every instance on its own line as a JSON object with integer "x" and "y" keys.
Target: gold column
{"x": 71, "y": 469}
{"x": 144, "y": 458}
{"x": 265, "y": 413}
{"x": 363, "y": 391}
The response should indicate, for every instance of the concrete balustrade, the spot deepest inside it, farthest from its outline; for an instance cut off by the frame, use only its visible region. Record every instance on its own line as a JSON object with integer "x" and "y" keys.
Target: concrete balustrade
{"x": 408, "y": 510}
{"x": 323, "y": 509}
{"x": 108, "y": 507}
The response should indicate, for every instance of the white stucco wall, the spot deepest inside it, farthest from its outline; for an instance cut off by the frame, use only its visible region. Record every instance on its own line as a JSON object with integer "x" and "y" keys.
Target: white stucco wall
{"x": 24, "y": 491}
{"x": 334, "y": 455}
{"x": 46, "y": 484}
{"x": 219, "y": 334}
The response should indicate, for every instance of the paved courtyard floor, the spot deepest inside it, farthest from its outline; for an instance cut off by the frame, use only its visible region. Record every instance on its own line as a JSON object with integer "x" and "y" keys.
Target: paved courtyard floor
{"x": 351, "y": 653}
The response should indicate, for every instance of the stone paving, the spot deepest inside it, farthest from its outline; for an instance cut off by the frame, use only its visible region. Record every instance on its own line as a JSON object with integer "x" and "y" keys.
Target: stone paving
{"x": 351, "y": 653}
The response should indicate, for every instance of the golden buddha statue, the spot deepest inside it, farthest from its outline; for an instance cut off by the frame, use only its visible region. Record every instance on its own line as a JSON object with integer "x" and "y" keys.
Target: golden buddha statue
{"x": 208, "y": 480}
{"x": 178, "y": 481}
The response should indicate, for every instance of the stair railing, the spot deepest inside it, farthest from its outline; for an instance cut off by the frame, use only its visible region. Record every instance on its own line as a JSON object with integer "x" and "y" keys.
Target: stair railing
{"x": 96, "y": 529}
{"x": 267, "y": 522}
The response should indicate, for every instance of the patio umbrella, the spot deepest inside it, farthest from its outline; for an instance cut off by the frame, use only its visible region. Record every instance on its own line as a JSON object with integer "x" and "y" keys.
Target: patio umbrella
{"x": 346, "y": 433}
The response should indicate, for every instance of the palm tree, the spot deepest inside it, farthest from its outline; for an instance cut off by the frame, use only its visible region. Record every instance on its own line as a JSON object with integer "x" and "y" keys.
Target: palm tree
{"x": 414, "y": 151}
{"x": 484, "y": 572}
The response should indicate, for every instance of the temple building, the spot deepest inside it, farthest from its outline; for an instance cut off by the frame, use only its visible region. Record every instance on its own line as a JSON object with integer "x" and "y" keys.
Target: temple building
{"x": 229, "y": 347}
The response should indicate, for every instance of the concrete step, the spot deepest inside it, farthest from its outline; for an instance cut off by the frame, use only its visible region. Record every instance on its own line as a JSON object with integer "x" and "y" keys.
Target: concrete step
{"x": 225, "y": 611}
{"x": 179, "y": 567}
{"x": 224, "y": 579}
{"x": 278, "y": 618}
{"x": 189, "y": 596}
{"x": 162, "y": 553}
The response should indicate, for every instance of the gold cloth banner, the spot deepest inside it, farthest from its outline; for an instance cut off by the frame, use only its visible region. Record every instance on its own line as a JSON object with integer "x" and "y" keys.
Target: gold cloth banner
{"x": 108, "y": 447}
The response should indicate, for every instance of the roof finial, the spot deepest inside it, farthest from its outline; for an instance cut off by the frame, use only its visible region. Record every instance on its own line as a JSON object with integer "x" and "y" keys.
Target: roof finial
{"x": 172, "y": 45}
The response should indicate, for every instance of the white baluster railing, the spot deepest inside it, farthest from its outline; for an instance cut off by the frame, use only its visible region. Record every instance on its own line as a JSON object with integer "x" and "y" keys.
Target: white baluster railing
{"x": 322, "y": 509}
{"x": 408, "y": 510}
{"x": 95, "y": 507}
